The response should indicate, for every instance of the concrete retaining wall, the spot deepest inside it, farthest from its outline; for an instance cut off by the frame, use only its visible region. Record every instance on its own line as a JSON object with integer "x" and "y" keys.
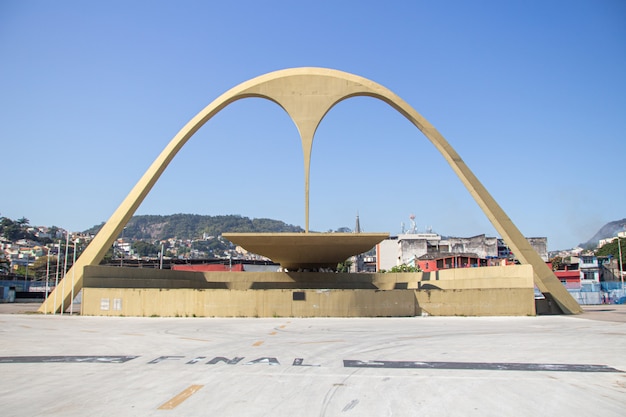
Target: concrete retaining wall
{"x": 148, "y": 292}
{"x": 247, "y": 303}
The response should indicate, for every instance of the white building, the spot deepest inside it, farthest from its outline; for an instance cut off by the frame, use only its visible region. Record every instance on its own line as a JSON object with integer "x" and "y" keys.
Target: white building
{"x": 404, "y": 248}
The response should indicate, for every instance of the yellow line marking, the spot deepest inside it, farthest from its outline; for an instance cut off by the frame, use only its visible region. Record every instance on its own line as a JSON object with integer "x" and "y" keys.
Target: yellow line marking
{"x": 259, "y": 343}
{"x": 197, "y": 340}
{"x": 282, "y": 327}
{"x": 175, "y": 402}
{"x": 272, "y": 334}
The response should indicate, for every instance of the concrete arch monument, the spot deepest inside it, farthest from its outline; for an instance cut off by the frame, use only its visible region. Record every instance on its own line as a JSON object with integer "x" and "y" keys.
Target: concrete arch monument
{"x": 307, "y": 94}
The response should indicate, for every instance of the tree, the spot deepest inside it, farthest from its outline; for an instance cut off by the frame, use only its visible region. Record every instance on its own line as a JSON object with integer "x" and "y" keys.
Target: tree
{"x": 142, "y": 248}
{"x": 344, "y": 266}
{"x": 15, "y": 230}
{"x": 53, "y": 230}
{"x": 4, "y": 265}
{"x": 40, "y": 266}
{"x": 108, "y": 257}
{"x": 404, "y": 268}
{"x": 612, "y": 249}
{"x": 10, "y": 229}
{"x": 20, "y": 270}
{"x": 556, "y": 262}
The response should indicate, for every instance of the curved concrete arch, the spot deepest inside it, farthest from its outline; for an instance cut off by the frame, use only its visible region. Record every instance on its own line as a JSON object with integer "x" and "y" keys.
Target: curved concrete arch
{"x": 307, "y": 94}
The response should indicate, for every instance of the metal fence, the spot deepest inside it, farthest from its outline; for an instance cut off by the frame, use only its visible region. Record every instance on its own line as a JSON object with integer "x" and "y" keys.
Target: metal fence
{"x": 609, "y": 292}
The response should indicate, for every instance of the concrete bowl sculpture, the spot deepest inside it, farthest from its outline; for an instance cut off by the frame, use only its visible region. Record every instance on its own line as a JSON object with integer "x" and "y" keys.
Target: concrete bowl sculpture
{"x": 296, "y": 251}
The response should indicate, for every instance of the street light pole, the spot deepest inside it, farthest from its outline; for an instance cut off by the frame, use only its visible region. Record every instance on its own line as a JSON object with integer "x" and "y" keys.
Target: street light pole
{"x": 122, "y": 247}
{"x": 56, "y": 279}
{"x": 73, "y": 273}
{"x": 67, "y": 246}
{"x": 621, "y": 271}
{"x": 47, "y": 279}
{"x": 26, "y": 276}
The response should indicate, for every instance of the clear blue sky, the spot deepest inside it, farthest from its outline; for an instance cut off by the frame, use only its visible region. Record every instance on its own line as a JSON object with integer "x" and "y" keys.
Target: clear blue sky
{"x": 531, "y": 94}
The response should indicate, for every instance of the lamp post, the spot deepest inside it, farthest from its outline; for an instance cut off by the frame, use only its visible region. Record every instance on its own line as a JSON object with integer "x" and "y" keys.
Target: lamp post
{"x": 73, "y": 274}
{"x": 621, "y": 271}
{"x": 26, "y": 276}
{"x": 67, "y": 246}
{"x": 56, "y": 279}
{"x": 161, "y": 257}
{"x": 122, "y": 248}
{"x": 47, "y": 279}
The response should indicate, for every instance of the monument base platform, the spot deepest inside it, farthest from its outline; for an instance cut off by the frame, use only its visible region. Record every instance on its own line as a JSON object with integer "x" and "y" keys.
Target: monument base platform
{"x": 489, "y": 291}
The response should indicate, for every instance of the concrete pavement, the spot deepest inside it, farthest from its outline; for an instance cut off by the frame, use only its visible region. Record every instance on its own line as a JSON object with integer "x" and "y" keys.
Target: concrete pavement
{"x": 423, "y": 366}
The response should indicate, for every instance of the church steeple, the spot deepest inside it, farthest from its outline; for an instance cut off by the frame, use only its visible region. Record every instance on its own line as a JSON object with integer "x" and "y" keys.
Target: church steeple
{"x": 357, "y": 227}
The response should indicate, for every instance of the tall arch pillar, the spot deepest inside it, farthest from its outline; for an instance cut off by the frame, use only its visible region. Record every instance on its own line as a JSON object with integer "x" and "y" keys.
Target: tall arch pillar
{"x": 307, "y": 94}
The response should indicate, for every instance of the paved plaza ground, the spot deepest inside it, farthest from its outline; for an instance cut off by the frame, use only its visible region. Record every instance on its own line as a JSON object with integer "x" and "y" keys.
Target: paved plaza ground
{"x": 422, "y": 366}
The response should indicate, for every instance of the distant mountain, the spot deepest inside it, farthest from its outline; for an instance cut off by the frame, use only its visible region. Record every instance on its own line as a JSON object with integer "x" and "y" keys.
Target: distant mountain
{"x": 194, "y": 226}
{"x": 606, "y": 231}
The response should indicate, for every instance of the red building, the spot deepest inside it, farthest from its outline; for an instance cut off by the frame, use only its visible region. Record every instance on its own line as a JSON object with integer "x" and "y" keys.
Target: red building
{"x": 435, "y": 262}
{"x": 569, "y": 276}
{"x": 209, "y": 268}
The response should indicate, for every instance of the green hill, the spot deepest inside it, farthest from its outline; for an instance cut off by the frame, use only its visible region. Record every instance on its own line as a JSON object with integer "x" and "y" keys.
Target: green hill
{"x": 194, "y": 226}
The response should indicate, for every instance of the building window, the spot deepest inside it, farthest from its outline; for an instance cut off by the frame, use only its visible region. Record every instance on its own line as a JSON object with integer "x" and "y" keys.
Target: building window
{"x": 589, "y": 275}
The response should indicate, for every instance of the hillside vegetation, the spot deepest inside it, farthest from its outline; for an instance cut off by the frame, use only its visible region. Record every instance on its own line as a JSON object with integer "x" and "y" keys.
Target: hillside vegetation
{"x": 194, "y": 226}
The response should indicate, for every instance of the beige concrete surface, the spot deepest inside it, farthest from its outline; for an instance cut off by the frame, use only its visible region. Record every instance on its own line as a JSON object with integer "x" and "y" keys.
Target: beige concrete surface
{"x": 489, "y": 291}
{"x": 477, "y": 302}
{"x": 307, "y": 95}
{"x": 152, "y": 302}
{"x": 423, "y": 366}
{"x": 606, "y": 312}
{"x": 294, "y": 251}
{"x": 512, "y": 276}
{"x": 603, "y": 312}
